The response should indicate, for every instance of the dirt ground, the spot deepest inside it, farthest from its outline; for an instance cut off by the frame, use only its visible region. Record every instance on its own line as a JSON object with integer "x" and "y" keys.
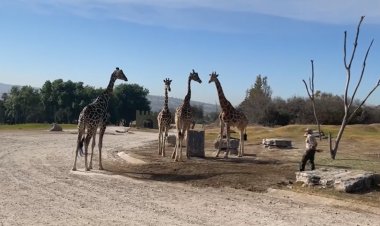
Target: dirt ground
{"x": 138, "y": 187}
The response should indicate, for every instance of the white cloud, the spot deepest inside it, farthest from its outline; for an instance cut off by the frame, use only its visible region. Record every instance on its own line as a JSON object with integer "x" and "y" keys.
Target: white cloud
{"x": 163, "y": 11}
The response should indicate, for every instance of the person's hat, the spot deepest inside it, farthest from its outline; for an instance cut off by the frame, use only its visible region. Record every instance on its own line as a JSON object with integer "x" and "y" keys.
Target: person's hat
{"x": 308, "y": 130}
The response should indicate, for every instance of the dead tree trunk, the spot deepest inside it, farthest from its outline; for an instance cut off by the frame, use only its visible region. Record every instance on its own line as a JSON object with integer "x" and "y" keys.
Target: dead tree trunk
{"x": 348, "y": 115}
{"x": 311, "y": 95}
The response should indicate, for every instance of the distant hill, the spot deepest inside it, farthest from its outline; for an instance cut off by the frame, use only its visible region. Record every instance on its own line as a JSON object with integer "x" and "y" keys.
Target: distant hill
{"x": 156, "y": 104}
{"x": 5, "y": 88}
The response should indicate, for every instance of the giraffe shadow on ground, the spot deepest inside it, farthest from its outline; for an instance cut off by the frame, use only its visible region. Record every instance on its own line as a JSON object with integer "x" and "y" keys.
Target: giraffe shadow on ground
{"x": 251, "y": 172}
{"x": 194, "y": 170}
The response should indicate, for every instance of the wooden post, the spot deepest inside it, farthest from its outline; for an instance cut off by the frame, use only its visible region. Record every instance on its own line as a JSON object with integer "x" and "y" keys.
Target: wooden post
{"x": 196, "y": 143}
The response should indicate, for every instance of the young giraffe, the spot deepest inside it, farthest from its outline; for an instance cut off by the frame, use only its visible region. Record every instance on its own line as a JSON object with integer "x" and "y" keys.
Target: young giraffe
{"x": 229, "y": 117}
{"x": 184, "y": 118}
{"x": 164, "y": 119}
{"x": 93, "y": 116}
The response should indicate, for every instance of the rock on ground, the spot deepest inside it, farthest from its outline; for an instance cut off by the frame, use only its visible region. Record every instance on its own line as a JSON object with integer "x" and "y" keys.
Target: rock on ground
{"x": 234, "y": 144}
{"x": 56, "y": 127}
{"x": 341, "y": 179}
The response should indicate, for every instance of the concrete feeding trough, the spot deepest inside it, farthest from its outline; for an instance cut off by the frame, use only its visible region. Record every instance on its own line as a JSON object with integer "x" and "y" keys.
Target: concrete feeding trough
{"x": 277, "y": 143}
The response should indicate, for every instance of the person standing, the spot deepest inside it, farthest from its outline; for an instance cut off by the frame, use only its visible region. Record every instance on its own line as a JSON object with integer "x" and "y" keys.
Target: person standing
{"x": 311, "y": 147}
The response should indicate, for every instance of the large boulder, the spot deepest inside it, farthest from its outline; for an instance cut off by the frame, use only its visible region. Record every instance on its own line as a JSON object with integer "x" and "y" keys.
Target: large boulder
{"x": 340, "y": 179}
{"x": 56, "y": 127}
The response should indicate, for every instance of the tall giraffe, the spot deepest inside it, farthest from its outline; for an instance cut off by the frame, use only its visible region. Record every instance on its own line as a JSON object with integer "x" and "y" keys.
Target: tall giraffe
{"x": 164, "y": 119}
{"x": 184, "y": 118}
{"x": 93, "y": 116}
{"x": 229, "y": 116}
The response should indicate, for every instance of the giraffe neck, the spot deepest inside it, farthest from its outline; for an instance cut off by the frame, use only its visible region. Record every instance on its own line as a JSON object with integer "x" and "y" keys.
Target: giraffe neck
{"x": 166, "y": 107}
{"x": 188, "y": 95}
{"x": 103, "y": 99}
{"x": 109, "y": 89}
{"x": 224, "y": 103}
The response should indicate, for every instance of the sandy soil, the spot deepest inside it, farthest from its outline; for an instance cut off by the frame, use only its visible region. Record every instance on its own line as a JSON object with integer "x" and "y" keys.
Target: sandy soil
{"x": 39, "y": 188}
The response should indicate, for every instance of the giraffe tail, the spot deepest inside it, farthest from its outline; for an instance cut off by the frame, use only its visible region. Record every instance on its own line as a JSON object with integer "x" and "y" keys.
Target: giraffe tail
{"x": 80, "y": 146}
{"x": 245, "y": 134}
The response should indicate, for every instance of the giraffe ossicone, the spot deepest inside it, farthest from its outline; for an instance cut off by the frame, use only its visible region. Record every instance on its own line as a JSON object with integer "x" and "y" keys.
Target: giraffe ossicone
{"x": 92, "y": 116}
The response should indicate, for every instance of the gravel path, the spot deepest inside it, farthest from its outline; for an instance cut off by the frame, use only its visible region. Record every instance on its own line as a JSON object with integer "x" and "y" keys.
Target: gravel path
{"x": 39, "y": 188}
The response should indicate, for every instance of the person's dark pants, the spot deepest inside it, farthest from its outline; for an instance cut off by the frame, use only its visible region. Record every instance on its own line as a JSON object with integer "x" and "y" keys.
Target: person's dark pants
{"x": 309, "y": 155}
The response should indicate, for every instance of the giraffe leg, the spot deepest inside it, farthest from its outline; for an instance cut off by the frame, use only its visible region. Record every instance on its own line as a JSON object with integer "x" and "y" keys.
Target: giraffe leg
{"x": 164, "y": 142}
{"x": 178, "y": 149}
{"x": 243, "y": 137}
{"x": 159, "y": 139}
{"x": 174, "y": 154}
{"x": 100, "y": 144}
{"x": 241, "y": 144}
{"x": 179, "y": 154}
{"x": 220, "y": 138}
{"x": 87, "y": 142}
{"x": 177, "y": 146}
{"x": 187, "y": 143}
{"x": 80, "y": 134}
{"x": 76, "y": 156}
{"x": 228, "y": 141}
{"x": 175, "y": 149}
{"x": 92, "y": 149}
{"x": 163, "y": 147}
{"x": 81, "y": 131}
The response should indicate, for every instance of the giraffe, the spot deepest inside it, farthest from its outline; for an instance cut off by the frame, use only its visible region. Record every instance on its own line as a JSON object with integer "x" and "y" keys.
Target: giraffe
{"x": 93, "y": 116}
{"x": 184, "y": 118}
{"x": 229, "y": 116}
{"x": 164, "y": 119}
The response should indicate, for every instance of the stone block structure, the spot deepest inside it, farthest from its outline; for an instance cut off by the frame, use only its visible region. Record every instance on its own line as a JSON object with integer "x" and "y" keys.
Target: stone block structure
{"x": 146, "y": 119}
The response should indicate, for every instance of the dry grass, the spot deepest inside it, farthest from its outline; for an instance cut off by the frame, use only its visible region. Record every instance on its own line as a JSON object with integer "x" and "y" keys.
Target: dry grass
{"x": 34, "y": 126}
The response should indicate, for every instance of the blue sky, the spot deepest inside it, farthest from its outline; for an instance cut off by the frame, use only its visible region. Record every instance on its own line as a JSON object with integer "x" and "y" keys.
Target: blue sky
{"x": 84, "y": 40}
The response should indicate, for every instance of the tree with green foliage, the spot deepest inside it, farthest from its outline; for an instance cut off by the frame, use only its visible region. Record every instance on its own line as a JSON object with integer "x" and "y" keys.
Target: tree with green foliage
{"x": 24, "y": 105}
{"x": 2, "y": 108}
{"x": 198, "y": 113}
{"x": 127, "y": 99}
{"x": 257, "y": 101}
{"x": 63, "y": 101}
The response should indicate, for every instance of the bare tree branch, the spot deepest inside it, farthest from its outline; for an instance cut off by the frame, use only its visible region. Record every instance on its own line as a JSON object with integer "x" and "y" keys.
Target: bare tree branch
{"x": 362, "y": 73}
{"x": 307, "y": 89}
{"x": 356, "y": 40}
{"x": 345, "y": 50}
{"x": 363, "y": 102}
{"x": 312, "y": 96}
{"x": 348, "y": 66}
{"x": 348, "y": 71}
{"x": 347, "y": 116}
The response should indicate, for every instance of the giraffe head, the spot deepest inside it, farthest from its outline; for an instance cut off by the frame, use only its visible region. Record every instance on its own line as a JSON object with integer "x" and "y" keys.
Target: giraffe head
{"x": 194, "y": 76}
{"x": 119, "y": 74}
{"x": 213, "y": 77}
{"x": 167, "y": 84}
